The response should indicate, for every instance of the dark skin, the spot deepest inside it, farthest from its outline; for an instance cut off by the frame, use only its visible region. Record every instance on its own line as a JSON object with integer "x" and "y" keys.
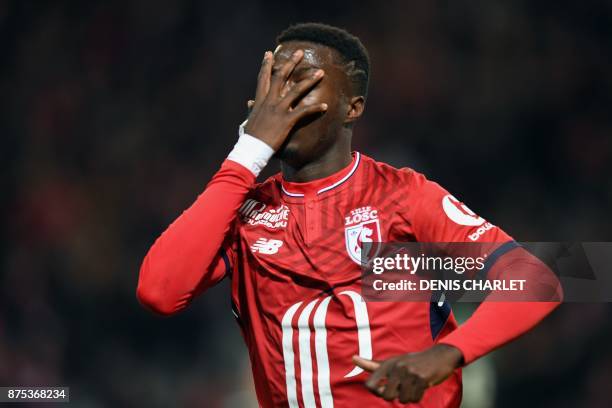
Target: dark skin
{"x": 406, "y": 377}
{"x": 304, "y": 108}
{"x": 311, "y": 141}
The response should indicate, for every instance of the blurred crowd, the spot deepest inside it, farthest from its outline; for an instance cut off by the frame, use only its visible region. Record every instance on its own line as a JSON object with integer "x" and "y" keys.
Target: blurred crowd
{"x": 115, "y": 114}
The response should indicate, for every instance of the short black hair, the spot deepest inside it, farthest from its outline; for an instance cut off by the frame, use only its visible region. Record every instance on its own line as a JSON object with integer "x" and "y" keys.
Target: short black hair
{"x": 350, "y": 48}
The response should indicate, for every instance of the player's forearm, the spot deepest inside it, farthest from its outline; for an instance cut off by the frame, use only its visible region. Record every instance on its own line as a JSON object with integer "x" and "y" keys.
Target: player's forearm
{"x": 496, "y": 322}
{"x": 179, "y": 259}
{"x": 178, "y": 265}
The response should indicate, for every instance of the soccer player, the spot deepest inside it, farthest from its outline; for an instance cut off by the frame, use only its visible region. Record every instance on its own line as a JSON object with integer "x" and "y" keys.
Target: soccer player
{"x": 292, "y": 246}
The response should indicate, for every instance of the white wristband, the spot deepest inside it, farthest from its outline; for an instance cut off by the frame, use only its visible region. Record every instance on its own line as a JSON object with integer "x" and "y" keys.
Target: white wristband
{"x": 251, "y": 152}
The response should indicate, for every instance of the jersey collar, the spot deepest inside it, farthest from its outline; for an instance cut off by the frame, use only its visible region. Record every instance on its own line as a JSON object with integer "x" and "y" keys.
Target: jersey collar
{"x": 322, "y": 185}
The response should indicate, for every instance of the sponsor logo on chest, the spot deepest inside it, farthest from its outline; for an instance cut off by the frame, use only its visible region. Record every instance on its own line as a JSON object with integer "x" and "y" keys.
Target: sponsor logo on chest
{"x": 460, "y": 214}
{"x": 361, "y": 229}
{"x": 254, "y": 212}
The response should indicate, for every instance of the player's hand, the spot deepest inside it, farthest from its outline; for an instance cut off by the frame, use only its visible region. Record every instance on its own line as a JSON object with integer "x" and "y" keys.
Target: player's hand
{"x": 273, "y": 113}
{"x": 406, "y": 377}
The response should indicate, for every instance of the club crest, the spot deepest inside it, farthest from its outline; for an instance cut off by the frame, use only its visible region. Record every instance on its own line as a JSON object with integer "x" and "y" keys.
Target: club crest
{"x": 362, "y": 234}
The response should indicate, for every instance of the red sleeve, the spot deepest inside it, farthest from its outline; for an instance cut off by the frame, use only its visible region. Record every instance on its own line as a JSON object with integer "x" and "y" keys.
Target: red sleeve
{"x": 191, "y": 255}
{"x": 495, "y": 323}
{"x": 437, "y": 216}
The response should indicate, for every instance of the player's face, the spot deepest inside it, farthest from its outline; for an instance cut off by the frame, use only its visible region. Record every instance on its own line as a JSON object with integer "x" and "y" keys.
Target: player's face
{"x": 313, "y": 136}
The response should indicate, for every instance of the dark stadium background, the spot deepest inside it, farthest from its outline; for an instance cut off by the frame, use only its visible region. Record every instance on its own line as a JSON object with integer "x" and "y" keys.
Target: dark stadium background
{"x": 114, "y": 115}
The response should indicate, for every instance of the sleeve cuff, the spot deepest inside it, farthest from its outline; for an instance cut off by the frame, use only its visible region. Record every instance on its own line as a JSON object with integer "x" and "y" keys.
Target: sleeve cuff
{"x": 251, "y": 152}
{"x": 451, "y": 340}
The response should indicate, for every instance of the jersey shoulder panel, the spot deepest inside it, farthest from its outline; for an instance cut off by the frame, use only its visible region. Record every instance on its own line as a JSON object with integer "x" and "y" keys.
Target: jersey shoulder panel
{"x": 404, "y": 178}
{"x": 269, "y": 189}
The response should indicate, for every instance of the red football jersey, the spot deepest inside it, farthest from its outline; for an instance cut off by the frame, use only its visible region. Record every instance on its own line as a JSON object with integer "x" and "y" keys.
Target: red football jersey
{"x": 292, "y": 251}
{"x": 295, "y": 254}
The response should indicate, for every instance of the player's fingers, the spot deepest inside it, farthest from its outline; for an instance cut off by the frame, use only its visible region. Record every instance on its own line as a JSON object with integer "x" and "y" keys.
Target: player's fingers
{"x": 307, "y": 110}
{"x": 280, "y": 73}
{"x": 411, "y": 390}
{"x": 298, "y": 89}
{"x": 391, "y": 389}
{"x": 378, "y": 375}
{"x": 263, "y": 79}
{"x": 367, "y": 365}
{"x": 285, "y": 89}
{"x": 406, "y": 390}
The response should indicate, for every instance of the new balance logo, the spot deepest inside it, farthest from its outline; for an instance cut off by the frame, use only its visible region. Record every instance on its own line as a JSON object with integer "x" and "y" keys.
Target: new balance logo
{"x": 266, "y": 246}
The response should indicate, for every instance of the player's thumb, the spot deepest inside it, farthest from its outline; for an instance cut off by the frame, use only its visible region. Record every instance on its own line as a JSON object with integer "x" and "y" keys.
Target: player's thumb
{"x": 368, "y": 365}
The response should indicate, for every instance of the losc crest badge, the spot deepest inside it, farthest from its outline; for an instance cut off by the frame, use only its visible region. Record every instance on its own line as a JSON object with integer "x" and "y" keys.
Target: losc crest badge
{"x": 361, "y": 232}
